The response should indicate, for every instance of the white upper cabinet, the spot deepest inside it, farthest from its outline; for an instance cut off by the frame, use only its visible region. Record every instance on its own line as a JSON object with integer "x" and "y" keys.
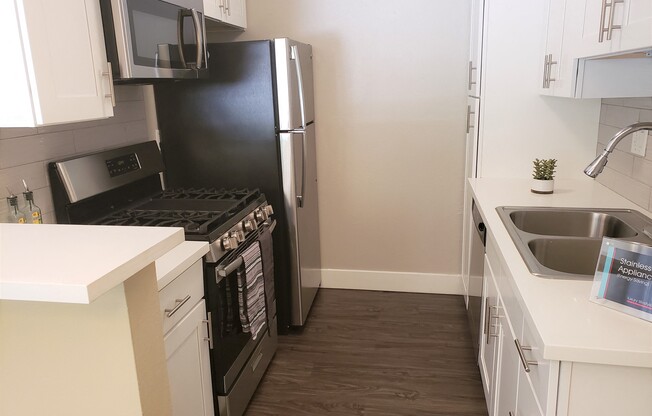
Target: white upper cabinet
{"x": 475, "y": 47}
{"x": 59, "y": 71}
{"x": 587, "y": 45}
{"x": 231, "y": 12}
{"x": 637, "y": 25}
{"x": 557, "y": 69}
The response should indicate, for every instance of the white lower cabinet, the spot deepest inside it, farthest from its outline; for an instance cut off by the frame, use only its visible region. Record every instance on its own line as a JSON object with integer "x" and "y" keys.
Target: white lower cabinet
{"x": 524, "y": 383}
{"x": 187, "y": 352}
{"x": 187, "y": 340}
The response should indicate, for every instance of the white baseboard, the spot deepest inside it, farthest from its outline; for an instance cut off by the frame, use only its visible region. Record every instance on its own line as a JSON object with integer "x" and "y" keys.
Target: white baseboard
{"x": 449, "y": 284}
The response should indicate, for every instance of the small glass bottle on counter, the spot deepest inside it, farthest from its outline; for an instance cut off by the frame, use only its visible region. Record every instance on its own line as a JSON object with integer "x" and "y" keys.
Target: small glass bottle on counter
{"x": 32, "y": 212}
{"x": 14, "y": 215}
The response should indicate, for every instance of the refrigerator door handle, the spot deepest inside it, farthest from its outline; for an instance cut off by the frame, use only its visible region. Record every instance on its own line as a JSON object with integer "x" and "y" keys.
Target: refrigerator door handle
{"x": 297, "y": 63}
{"x": 303, "y": 169}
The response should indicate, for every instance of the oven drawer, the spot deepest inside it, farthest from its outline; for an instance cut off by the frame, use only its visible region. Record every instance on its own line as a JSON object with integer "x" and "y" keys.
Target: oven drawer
{"x": 181, "y": 295}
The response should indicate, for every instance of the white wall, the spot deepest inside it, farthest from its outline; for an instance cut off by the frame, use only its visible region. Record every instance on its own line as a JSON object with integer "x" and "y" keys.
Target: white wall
{"x": 25, "y": 152}
{"x": 390, "y": 114}
{"x": 518, "y": 124}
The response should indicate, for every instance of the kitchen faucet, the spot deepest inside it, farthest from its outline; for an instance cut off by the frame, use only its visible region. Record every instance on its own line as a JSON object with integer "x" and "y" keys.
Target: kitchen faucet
{"x": 599, "y": 163}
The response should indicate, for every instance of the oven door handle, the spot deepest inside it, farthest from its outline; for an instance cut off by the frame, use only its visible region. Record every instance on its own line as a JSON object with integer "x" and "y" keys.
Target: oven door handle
{"x": 223, "y": 271}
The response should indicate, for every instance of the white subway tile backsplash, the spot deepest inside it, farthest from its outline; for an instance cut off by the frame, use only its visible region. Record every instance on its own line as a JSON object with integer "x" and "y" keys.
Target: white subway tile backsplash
{"x": 631, "y": 189}
{"x": 638, "y": 102}
{"x": 21, "y": 150}
{"x": 642, "y": 171}
{"x": 25, "y": 152}
{"x": 627, "y": 174}
{"x": 620, "y": 161}
{"x": 618, "y": 116}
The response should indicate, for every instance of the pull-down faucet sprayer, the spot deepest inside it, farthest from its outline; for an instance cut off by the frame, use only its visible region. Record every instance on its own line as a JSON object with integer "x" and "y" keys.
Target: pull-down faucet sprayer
{"x": 598, "y": 164}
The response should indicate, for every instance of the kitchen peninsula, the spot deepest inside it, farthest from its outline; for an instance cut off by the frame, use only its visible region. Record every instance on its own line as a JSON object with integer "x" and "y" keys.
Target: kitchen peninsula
{"x": 80, "y": 329}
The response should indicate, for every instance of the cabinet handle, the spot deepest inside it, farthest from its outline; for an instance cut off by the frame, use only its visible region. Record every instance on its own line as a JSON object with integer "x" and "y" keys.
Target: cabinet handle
{"x": 469, "y": 113}
{"x": 109, "y": 73}
{"x": 487, "y": 318}
{"x": 471, "y": 69}
{"x": 611, "y": 18}
{"x": 228, "y": 7}
{"x": 222, "y": 6}
{"x": 603, "y": 12}
{"x": 180, "y": 303}
{"x": 545, "y": 72}
{"x": 550, "y": 64}
{"x": 521, "y": 354}
{"x": 209, "y": 321}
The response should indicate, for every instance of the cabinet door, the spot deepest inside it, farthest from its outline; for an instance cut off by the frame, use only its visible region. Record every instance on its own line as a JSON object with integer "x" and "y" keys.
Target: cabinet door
{"x": 214, "y": 9}
{"x": 557, "y": 68}
{"x": 526, "y": 402}
{"x": 235, "y": 13}
{"x": 490, "y": 337}
{"x": 63, "y": 43}
{"x": 585, "y": 18}
{"x": 475, "y": 47}
{"x": 186, "y": 348}
{"x": 507, "y": 377}
{"x": 637, "y": 25}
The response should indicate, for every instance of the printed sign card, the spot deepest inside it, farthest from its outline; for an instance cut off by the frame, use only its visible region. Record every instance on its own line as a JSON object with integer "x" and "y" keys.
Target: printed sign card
{"x": 623, "y": 278}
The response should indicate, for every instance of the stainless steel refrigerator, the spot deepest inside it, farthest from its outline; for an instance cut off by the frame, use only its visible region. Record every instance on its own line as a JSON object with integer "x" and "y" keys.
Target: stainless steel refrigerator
{"x": 252, "y": 124}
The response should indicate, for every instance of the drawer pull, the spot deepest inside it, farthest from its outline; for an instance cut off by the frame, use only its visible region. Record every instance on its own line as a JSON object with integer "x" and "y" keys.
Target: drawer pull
{"x": 180, "y": 303}
{"x": 209, "y": 321}
{"x": 524, "y": 361}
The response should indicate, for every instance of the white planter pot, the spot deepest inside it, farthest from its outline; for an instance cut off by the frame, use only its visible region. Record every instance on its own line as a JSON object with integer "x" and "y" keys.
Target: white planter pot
{"x": 543, "y": 187}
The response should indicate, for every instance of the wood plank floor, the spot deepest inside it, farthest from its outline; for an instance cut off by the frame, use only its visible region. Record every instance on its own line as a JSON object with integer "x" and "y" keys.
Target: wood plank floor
{"x": 375, "y": 353}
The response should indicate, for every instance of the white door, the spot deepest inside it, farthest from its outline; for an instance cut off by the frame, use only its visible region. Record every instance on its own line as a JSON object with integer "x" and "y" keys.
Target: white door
{"x": 475, "y": 55}
{"x": 235, "y": 12}
{"x": 491, "y": 336}
{"x": 589, "y": 18}
{"x": 189, "y": 370}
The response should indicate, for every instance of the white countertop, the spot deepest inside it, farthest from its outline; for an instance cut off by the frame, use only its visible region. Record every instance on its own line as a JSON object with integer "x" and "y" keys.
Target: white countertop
{"x": 177, "y": 260}
{"x": 75, "y": 263}
{"x": 569, "y": 326}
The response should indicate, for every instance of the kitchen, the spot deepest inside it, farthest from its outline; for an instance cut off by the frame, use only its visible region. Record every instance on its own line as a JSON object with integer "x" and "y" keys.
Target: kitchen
{"x": 376, "y": 62}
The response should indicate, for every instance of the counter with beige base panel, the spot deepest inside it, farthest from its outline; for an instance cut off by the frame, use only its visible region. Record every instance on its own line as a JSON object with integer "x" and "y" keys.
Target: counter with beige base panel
{"x": 602, "y": 358}
{"x": 80, "y": 328}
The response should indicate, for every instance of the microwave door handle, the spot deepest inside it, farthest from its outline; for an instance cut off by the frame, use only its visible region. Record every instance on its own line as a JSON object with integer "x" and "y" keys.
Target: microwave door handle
{"x": 294, "y": 49}
{"x": 180, "y": 17}
{"x": 199, "y": 36}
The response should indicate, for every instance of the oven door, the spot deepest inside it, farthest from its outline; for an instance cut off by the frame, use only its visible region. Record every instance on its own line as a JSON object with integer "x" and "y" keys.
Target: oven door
{"x": 231, "y": 347}
{"x": 155, "y": 39}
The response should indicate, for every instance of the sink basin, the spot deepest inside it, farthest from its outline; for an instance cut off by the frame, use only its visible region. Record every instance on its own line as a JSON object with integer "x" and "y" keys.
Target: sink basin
{"x": 571, "y": 223}
{"x": 576, "y": 256}
{"x": 565, "y": 242}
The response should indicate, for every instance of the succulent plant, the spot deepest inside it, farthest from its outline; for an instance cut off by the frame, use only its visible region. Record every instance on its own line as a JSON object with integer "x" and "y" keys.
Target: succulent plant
{"x": 544, "y": 169}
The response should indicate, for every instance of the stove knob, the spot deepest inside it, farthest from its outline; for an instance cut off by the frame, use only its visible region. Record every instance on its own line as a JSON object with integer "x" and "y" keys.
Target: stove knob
{"x": 238, "y": 235}
{"x": 268, "y": 210}
{"x": 261, "y": 215}
{"x": 250, "y": 225}
{"x": 229, "y": 243}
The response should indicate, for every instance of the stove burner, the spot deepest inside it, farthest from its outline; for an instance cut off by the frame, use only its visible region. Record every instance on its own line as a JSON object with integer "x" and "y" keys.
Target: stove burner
{"x": 199, "y": 211}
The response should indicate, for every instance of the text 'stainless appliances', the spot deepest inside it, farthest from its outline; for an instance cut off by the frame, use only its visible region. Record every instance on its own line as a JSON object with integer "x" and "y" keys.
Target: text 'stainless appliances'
{"x": 122, "y": 187}
{"x": 148, "y": 39}
{"x": 251, "y": 124}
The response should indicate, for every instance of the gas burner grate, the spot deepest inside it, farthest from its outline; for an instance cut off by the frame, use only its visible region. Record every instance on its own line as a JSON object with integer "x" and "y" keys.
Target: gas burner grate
{"x": 193, "y": 222}
{"x": 210, "y": 194}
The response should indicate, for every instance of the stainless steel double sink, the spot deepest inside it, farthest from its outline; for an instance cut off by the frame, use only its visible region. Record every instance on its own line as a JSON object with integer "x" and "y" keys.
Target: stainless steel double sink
{"x": 565, "y": 242}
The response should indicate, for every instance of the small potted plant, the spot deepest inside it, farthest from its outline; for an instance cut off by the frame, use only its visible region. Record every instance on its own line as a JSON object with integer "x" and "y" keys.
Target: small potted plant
{"x": 544, "y": 173}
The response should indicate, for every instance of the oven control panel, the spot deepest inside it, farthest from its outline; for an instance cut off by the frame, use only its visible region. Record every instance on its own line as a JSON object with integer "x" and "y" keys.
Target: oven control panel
{"x": 123, "y": 164}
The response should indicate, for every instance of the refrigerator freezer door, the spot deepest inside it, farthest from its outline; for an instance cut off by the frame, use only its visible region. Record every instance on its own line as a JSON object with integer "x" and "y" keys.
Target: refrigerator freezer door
{"x": 299, "y": 167}
{"x": 294, "y": 84}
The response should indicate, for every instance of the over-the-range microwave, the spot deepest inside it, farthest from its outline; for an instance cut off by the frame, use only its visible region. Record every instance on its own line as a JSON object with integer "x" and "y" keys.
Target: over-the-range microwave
{"x": 148, "y": 39}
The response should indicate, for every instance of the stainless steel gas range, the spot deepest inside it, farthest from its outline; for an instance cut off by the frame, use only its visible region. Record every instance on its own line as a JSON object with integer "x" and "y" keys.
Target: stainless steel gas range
{"x": 123, "y": 187}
